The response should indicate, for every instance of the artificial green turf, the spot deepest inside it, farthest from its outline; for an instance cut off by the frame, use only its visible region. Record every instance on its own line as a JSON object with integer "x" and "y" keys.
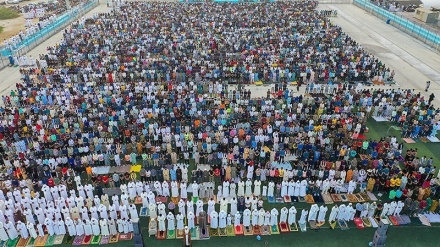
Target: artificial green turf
{"x": 382, "y": 129}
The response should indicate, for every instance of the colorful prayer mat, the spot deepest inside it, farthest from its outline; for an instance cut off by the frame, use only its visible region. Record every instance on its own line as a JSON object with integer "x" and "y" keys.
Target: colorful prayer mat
{"x": 274, "y": 229}
{"x": 405, "y": 218}
{"x": 367, "y": 222}
{"x": 58, "y": 239}
{"x": 265, "y": 230}
{"x": 31, "y": 242}
{"x": 424, "y": 139}
{"x": 3, "y": 243}
{"x": 50, "y": 240}
{"x": 393, "y": 220}
{"x": 256, "y": 230}
{"x": 399, "y": 220}
{"x": 408, "y": 140}
{"x": 287, "y": 199}
{"x": 333, "y": 224}
{"x": 385, "y": 220}
{"x": 41, "y": 241}
{"x": 364, "y": 196}
{"x": 284, "y": 227}
{"x": 114, "y": 238}
{"x": 327, "y": 198}
{"x": 359, "y": 198}
{"x": 22, "y": 242}
{"x": 238, "y": 230}
{"x": 162, "y": 199}
{"x": 222, "y": 232}
{"x": 194, "y": 232}
{"x": 78, "y": 240}
{"x": 313, "y": 225}
{"x": 96, "y": 240}
{"x": 359, "y": 223}
{"x": 13, "y": 242}
{"x": 68, "y": 240}
{"x": 179, "y": 234}
{"x": 271, "y": 199}
{"x": 143, "y": 212}
{"x": 86, "y": 240}
{"x": 230, "y": 231}
{"x": 125, "y": 236}
{"x": 171, "y": 234}
{"x": 336, "y": 197}
{"x": 343, "y": 225}
{"x": 320, "y": 223}
{"x": 352, "y": 198}
{"x": 138, "y": 200}
{"x": 104, "y": 240}
{"x": 248, "y": 230}
{"x": 309, "y": 199}
{"x": 344, "y": 198}
{"x": 293, "y": 227}
{"x": 371, "y": 196}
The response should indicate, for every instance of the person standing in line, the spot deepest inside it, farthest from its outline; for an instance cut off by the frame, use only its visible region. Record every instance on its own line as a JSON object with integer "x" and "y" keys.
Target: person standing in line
{"x": 428, "y": 83}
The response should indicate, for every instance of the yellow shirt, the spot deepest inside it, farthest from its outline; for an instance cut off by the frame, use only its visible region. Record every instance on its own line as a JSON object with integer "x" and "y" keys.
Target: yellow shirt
{"x": 281, "y": 173}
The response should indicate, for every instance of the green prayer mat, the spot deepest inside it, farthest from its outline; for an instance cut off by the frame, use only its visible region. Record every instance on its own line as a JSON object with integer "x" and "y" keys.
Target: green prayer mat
{"x": 171, "y": 234}
{"x": 50, "y": 240}
{"x": 12, "y": 243}
{"x": 230, "y": 231}
{"x": 68, "y": 240}
{"x": 58, "y": 239}
{"x": 31, "y": 242}
{"x": 96, "y": 240}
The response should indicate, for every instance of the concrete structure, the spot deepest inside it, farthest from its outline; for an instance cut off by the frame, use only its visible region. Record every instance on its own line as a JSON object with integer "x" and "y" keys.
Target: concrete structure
{"x": 426, "y": 15}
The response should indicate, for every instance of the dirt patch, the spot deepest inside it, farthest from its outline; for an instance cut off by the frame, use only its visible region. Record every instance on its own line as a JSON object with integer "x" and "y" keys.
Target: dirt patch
{"x": 11, "y": 27}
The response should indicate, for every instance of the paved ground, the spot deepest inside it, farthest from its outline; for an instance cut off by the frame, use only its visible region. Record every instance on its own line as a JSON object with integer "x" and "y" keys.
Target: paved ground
{"x": 413, "y": 61}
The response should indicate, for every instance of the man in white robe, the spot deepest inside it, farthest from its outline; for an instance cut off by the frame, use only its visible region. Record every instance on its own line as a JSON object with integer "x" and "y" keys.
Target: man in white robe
{"x": 322, "y": 211}
{"x": 333, "y": 213}
{"x": 292, "y": 215}
{"x": 112, "y": 227}
{"x": 214, "y": 220}
{"x": 313, "y": 213}
{"x": 88, "y": 228}
{"x": 247, "y": 217}
{"x": 199, "y": 207}
{"x": 237, "y": 218}
{"x": 283, "y": 214}
{"x": 32, "y": 231}
{"x": 95, "y": 227}
{"x": 161, "y": 223}
{"x": 104, "y": 227}
{"x": 179, "y": 219}
{"x": 70, "y": 227}
{"x": 49, "y": 226}
{"x": 274, "y": 217}
{"x": 182, "y": 205}
{"x": 79, "y": 226}
{"x": 222, "y": 219}
{"x": 21, "y": 227}
{"x": 11, "y": 230}
{"x": 3, "y": 234}
{"x": 224, "y": 204}
{"x": 190, "y": 218}
{"x": 171, "y": 221}
{"x": 133, "y": 212}
{"x": 61, "y": 227}
{"x": 255, "y": 215}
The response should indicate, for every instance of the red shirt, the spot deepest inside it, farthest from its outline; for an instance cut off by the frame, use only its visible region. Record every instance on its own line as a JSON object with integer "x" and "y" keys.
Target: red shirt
{"x": 277, "y": 173}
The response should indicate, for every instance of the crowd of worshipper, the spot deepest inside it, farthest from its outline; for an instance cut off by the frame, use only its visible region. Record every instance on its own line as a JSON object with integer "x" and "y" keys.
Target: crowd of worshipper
{"x": 46, "y": 14}
{"x": 153, "y": 93}
{"x": 54, "y": 209}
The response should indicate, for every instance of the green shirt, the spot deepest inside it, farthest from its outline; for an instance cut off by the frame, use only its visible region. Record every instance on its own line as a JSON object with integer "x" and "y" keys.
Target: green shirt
{"x": 392, "y": 194}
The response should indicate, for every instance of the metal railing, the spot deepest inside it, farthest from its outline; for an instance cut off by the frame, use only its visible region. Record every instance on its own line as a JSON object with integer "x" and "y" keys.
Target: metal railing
{"x": 427, "y": 35}
{"x": 60, "y": 23}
